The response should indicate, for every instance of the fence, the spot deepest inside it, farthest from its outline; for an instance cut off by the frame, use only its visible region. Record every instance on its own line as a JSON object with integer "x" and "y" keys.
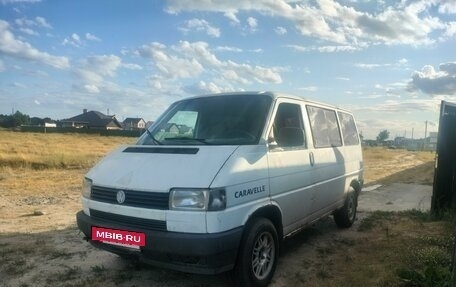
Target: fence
{"x": 120, "y": 133}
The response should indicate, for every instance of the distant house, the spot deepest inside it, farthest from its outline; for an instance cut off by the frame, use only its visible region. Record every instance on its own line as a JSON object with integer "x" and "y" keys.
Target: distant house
{"x": 148, "y": 124}
{"x": 185, "y": 130}
{"x": 134, "y": 124}
{"x": 50, "y": 125}
{"x": 171, "y": 128}
{"x": 92, "y": 120}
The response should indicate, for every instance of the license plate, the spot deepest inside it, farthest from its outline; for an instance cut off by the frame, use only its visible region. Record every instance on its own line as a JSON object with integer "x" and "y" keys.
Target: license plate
{"x": 119, "y": 237}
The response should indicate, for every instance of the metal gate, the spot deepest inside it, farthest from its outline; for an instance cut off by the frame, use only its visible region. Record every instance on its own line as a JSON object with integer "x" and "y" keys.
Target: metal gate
{"x": 444, "y": 192}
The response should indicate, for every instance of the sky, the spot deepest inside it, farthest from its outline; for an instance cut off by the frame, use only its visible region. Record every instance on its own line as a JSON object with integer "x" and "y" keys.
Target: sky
{"x": 389, "y": 62}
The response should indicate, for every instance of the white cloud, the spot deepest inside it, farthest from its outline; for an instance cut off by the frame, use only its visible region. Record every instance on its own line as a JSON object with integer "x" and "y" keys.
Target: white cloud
{"x": 324, "y": 49}
{"x": 18, "y": 85}
{"x": 104, "y": 65}
{"x": 343, "y": 78}
{"x": 171, "y": 65}
{"x": 130, "y": 66}
{"x": 204, "y": 88}
{"x": 74, "y": 40}
{"x": 309, "y": 89}
{"x": 13, "y": 47}
{"x": 29, "y": 31}
{"x": 42, "y": 22}
{"x": 257, "y": 73}
{"x": 259, "y": 50}
{"x": 232, "y": 16}
{"x": 92, "y": 37}
{"x": 232, "y": 76}
{"x": 450, "y": 31}
{"x": 280, "y": 30}
{"x": 77, "y": 41}
{"x": 432, "y": 82}
{"x": 401, "y": 23}
{"x": 4, "y": 2}
{"x": 199, "y": 51}
{"x": 447, "y": 7}
{"x": 201, "y": 25}
{"x": 370, "y": 66}
{"x": 400, "y": 63}
{"x": 404, "y": 106}
{"x": 196, "y": 61}
{"x": 92, "y": 89}
{"x": 252, "y": 23}
{"x": 37, "y": 22}
{"x": 228, "y": 49}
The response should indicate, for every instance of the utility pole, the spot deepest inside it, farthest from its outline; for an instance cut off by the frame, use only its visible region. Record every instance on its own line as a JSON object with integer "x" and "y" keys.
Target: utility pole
{"x": 425, "y": 133}
{"x": 425, "y": 129}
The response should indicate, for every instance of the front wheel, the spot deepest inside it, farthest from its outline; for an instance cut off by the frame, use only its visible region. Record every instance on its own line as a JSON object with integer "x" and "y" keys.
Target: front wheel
{"x": 345, "y": 216}
{"x": 257, "y": 258}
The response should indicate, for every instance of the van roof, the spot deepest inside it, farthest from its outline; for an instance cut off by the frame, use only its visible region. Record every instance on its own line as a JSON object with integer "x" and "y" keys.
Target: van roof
{"x": 274, "y": 95}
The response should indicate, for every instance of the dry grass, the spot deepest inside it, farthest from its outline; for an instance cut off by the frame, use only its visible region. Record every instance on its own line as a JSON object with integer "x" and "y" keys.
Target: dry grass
{"x": 387, "y": 166}
{"x": 44, "y": 151}
{"x": 44, "y": 172}
{"x": 35, "y": 163}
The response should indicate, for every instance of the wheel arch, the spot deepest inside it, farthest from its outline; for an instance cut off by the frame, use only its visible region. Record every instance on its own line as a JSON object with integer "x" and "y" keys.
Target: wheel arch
{"x": 271, "y": 212}
{"x": 356, "y": 185}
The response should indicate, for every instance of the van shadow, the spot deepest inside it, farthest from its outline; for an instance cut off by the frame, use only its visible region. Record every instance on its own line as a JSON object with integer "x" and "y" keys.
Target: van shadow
{"x": 63, "y": 258}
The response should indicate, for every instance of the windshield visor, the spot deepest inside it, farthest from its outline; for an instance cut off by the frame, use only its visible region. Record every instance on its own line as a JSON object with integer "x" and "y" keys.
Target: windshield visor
{"x": 216, "y": 120}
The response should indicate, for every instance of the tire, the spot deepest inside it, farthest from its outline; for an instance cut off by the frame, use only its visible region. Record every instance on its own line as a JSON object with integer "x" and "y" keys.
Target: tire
{"x": 258, "y": 254}
{"x": 345, "y": 216}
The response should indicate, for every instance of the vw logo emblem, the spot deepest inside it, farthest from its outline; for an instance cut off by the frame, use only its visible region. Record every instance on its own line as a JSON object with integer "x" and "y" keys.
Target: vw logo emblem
{"x": 120, "y": 196}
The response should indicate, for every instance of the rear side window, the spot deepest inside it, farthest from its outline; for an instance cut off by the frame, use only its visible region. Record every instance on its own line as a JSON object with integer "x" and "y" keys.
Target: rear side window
{"x": 324, "y": 127}
{"x": 347, "y": 124}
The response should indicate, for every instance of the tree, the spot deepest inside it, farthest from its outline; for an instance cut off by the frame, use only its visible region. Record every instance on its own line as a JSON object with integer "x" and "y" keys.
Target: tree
{"x": 14, "y": 120}
{"x": 383, "y": 135}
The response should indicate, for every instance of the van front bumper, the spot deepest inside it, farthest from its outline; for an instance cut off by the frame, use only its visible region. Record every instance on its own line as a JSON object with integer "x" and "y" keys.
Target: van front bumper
{"x": 188, "y": 252}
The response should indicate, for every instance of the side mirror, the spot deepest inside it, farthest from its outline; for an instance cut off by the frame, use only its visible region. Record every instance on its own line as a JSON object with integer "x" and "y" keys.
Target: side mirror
{"x": 272, "y": 144}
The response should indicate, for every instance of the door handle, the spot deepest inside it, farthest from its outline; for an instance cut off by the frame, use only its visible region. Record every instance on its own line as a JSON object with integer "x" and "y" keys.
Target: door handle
{"x": 311, "y": 158}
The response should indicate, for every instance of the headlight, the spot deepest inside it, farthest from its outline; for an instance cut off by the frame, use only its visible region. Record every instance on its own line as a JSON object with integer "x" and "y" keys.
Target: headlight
{"x": 86, "y": 187}
{"x": 197, "y": 199}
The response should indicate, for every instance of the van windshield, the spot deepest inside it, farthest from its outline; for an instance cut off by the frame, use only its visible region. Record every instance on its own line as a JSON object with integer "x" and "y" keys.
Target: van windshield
{"x": 215, "y": 120}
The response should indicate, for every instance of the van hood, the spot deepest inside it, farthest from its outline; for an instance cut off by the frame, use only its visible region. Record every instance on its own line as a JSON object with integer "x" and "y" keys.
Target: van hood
{"x": 158, "y": 168}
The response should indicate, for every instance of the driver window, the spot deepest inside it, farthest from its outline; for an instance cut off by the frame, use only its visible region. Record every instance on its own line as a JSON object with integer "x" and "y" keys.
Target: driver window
{"x": 287, "y": 130}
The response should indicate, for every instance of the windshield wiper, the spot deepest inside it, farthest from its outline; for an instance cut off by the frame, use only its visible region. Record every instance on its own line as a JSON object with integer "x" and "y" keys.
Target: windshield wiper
{"x": 157, "y": 142}
{"x": 204, "y": 141}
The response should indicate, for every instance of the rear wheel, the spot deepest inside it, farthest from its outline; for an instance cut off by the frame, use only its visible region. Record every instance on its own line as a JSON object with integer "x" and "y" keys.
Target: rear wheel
{"x": 257, "y": 258}
{"x": 345, "y": 216}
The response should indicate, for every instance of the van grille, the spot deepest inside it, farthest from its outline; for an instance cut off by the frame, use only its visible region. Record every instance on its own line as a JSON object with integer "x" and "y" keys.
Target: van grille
{"x": 144, "y": 199}
{"x": 134, "y": 222}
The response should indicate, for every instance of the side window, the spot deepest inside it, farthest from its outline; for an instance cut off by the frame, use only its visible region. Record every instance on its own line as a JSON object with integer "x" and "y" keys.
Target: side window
{"x": 348, "y": 127}
{"x": 324, "y": 126}
{"x": 288, "y": 128}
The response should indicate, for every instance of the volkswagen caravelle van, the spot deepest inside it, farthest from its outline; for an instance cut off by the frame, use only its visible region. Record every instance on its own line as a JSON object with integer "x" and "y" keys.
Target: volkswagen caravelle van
{"x": 218, "y": 181}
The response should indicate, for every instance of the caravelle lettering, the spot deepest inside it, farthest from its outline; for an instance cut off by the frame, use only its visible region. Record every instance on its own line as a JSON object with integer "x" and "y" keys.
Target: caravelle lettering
{"x": 249, "y": 191}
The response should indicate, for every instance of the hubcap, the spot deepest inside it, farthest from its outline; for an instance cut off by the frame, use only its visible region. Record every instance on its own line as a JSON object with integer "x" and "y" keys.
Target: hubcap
{"x": 263, "y": 255}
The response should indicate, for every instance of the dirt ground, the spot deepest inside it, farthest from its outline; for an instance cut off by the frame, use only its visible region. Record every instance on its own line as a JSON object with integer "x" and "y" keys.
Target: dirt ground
{"x": 41, "y": 246}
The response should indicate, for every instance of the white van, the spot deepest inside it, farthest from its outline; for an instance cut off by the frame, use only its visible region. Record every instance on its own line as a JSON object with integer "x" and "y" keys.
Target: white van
{"x": 218, "y": 181}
